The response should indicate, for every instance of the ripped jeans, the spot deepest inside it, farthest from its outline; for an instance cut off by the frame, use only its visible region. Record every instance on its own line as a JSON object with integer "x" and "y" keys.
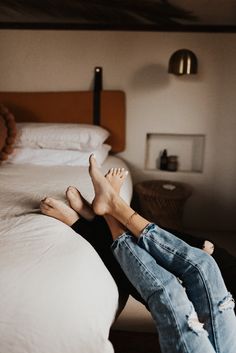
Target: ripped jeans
{"x": 183, "y": 289}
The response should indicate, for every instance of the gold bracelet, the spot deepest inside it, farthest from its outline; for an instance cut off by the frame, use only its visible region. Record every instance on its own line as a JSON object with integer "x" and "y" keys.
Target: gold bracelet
{"x": 129, "y": 219}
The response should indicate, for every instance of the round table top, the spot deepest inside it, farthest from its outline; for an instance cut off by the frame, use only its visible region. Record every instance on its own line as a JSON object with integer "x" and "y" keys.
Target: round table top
{"x": 164, "y": 188}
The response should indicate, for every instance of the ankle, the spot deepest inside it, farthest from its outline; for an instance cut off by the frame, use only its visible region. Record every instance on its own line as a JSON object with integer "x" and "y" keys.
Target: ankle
{"x": 71, "y": 220}
{"x": 119, "y": 209}
{"x": 115, "y": 203}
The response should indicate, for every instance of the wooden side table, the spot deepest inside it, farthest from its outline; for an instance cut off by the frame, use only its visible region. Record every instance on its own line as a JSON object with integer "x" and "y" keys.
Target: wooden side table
{"x": 162, "y": 201}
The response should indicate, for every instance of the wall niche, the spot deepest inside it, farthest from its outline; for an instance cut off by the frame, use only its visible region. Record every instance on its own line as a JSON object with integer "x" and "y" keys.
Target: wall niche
{"x": 189, "y": 148}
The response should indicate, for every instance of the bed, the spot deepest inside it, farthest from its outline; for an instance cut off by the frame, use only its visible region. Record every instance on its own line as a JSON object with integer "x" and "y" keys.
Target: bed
{"x": 56, "y": 294}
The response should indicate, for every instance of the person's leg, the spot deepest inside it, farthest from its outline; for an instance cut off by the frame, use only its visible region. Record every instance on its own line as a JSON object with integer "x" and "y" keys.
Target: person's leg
{"x": 192, "y": 240}
{"x": 203, "y": 282}
{"x": 176, "y": 321}
{"x": 225, "y": 260}
{"x": 215, "y": 305}
{"x": 175, "y": 318}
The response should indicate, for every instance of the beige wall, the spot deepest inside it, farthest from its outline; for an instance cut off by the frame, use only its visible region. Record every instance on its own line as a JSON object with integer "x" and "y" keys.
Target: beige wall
{"x": 136, "y": 62}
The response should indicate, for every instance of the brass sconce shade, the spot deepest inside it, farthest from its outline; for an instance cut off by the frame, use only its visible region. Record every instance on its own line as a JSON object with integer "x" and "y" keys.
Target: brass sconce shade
{"x": 183, "y": 62}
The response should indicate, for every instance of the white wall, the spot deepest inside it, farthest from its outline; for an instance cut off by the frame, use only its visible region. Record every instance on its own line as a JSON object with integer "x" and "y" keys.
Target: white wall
{"x": 136, "y": 62}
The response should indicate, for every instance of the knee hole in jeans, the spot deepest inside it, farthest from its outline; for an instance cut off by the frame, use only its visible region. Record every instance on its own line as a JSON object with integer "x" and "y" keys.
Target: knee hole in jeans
{"x": 194, "y": 324}
{"x": 227, "y": 303}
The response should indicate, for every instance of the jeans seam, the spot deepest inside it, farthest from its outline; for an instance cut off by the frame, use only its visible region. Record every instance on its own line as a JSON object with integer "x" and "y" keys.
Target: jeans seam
{"x": 202, "y": 277}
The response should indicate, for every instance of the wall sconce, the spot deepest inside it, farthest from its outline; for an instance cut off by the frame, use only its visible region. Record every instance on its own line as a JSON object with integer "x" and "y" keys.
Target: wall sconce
{"x": 183, "y": 62}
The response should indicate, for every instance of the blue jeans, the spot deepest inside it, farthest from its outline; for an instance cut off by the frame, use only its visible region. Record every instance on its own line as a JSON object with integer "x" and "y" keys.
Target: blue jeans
{"x": 183, "y": 289}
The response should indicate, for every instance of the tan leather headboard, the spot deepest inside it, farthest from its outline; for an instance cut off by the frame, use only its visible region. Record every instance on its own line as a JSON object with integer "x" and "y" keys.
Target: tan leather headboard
{"x": 71, "y": 107}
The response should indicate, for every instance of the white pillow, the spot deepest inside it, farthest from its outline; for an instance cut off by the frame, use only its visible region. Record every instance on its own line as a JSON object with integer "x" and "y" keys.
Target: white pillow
{"x": 49, "y": 157}
{"x": 81, "y": 137}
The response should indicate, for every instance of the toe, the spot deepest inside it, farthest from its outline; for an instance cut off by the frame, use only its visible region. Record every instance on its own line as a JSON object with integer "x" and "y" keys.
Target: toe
{"x": 48, "y": 201}
{"x": 73, "y": 190}
{"x": 44, "y": 207}
{"x": 124, "y": 173}
{"x": 92, "y": 160}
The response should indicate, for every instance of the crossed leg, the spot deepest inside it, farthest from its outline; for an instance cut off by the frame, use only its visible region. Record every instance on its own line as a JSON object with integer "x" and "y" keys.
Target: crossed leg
{"x": 151, "y": 259}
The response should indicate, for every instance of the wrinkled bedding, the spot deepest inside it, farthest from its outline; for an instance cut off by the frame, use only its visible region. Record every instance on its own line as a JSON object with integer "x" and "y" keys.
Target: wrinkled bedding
{"x": 56, "y": 294}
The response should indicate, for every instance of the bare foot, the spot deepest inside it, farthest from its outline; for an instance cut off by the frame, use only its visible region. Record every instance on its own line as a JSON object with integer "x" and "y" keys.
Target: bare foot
{"x": 59, "y": 210}
{"x": 208, "y": 247}
{"x": 104, "y": 192}
{"x": 78, "y": 203}
{"x": 116, "y": 177}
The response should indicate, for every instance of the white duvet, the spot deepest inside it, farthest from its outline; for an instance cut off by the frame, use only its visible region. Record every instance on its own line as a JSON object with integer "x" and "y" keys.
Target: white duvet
{"x": 56, "y": 296}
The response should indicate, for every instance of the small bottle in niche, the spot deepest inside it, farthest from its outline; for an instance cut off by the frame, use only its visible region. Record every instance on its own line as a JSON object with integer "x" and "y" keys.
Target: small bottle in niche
{"x": 172, "y": 164}
{"x": 164, "y": 160}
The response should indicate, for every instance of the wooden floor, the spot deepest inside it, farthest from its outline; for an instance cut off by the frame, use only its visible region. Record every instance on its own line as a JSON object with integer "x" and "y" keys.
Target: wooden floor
{"x": 134, "y": 342}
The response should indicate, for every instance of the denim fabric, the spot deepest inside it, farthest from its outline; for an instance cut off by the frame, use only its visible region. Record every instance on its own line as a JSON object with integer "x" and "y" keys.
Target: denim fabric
{"x": 183, "y": 288}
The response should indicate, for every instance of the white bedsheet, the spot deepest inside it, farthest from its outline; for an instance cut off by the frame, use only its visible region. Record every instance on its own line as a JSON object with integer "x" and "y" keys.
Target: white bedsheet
{"x": 23, "y": 186}
{"x": 56, "y": 294}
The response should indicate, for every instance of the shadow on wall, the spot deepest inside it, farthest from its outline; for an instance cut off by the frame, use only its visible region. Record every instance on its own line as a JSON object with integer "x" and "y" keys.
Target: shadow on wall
{"x": 151, "y": 76}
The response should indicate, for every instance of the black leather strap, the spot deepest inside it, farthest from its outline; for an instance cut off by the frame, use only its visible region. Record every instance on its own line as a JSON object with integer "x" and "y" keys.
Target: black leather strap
{"x": 97, "y": 95}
